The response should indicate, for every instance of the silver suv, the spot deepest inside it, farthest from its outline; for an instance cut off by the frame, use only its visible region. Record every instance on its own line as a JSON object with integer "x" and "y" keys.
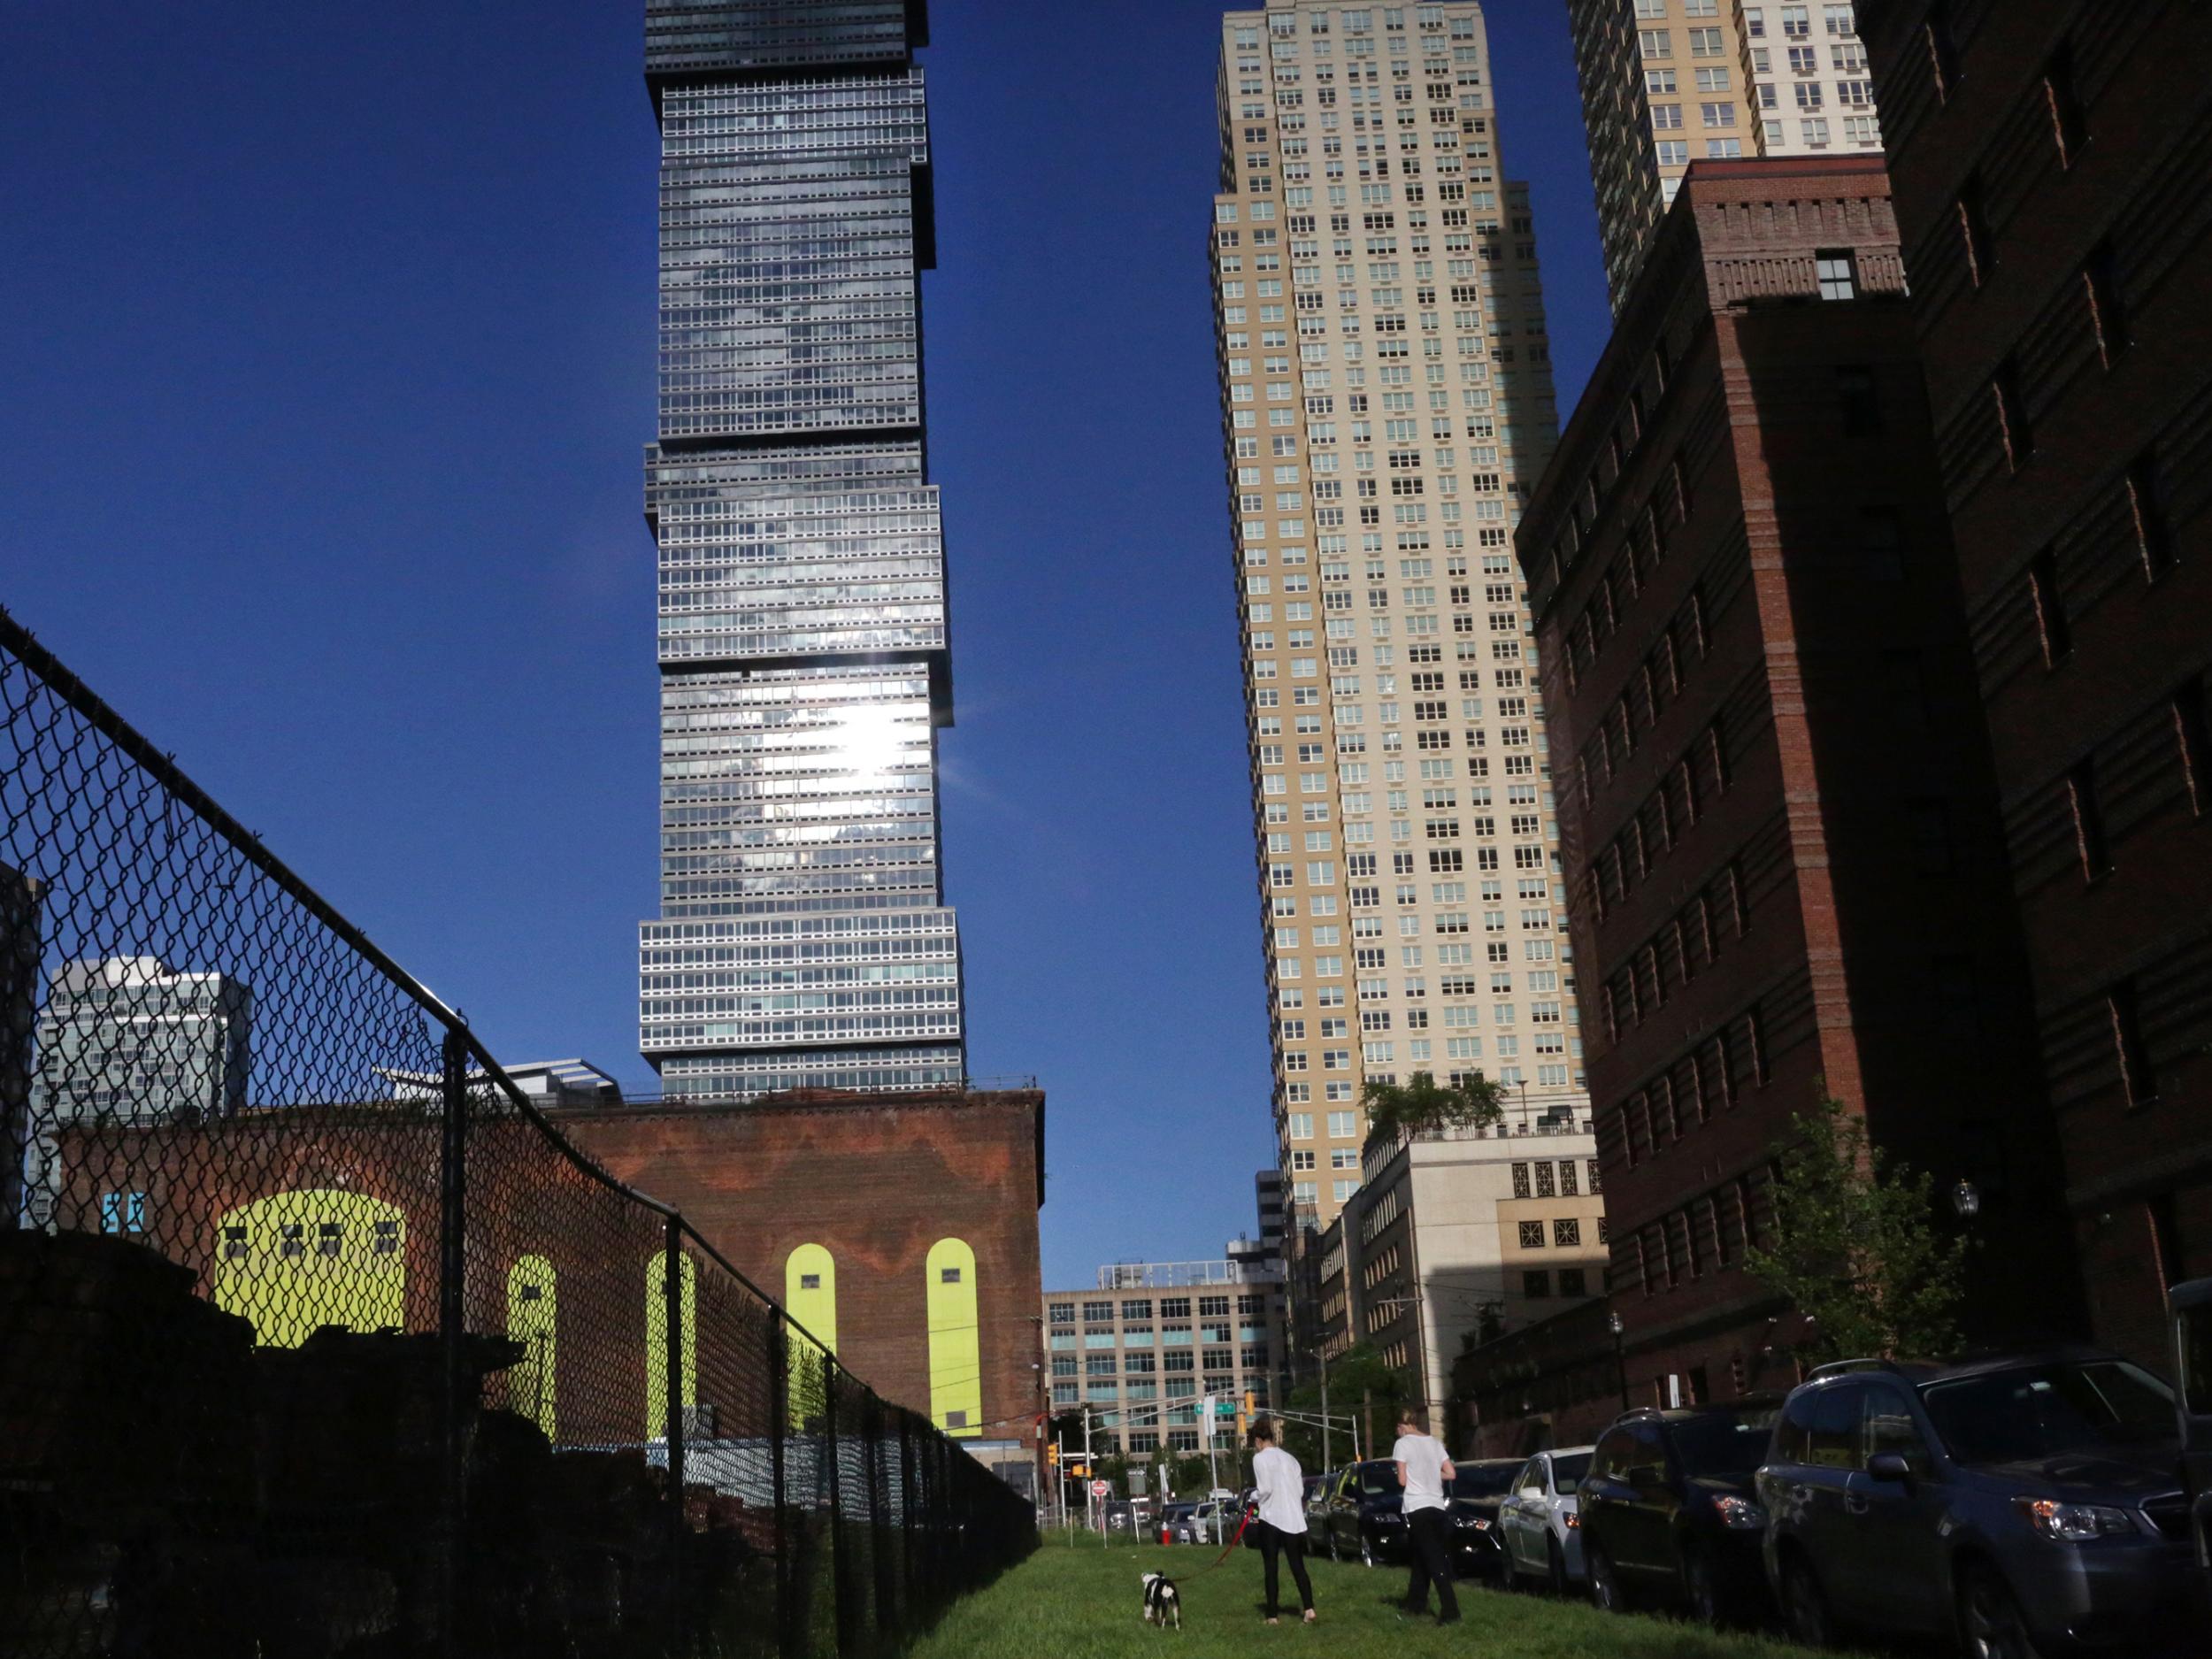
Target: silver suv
{"x": 2027, "y": 1505}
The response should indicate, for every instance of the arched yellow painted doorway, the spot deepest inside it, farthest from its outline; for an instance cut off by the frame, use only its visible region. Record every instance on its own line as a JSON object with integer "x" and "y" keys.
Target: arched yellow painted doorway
{"x": 956, "y": 1350}
{"x": 809, "y": 1296}
{"x": 295, "y": 1262}
{"x": 532, "y": 1320}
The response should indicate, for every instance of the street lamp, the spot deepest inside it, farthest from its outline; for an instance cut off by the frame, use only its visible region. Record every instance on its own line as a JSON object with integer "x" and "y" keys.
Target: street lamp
{"x": 1620, "y": 1353}
{"x": 1967, "y": 1200}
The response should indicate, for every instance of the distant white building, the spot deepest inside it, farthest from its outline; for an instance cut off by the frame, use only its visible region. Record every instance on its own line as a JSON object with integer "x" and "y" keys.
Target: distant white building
{"x": 129, "y": 1040}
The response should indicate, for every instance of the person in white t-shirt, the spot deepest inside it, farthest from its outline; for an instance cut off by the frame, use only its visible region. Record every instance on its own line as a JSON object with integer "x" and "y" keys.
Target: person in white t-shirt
{"x": 1280, "y": 1484}
{"x": 1425, "y": 1473}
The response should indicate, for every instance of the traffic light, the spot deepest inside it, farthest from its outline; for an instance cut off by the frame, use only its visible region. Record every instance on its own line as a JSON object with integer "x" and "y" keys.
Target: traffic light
{"x": 1080, "y": 1471}
{"x": 1052, "y": 1454}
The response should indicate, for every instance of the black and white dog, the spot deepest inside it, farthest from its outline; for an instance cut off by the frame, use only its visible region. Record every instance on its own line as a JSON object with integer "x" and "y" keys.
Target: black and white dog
{"x": 1161, "y": 1606}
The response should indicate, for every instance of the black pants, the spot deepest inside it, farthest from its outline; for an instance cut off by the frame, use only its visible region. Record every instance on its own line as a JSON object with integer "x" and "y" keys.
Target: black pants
{"x": 1274, "y": 1541}
{"x": 1430, "y": 1555}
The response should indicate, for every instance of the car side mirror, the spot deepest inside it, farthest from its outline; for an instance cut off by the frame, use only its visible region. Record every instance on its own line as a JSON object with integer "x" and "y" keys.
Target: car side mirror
{"x": 1889, "y": 1466}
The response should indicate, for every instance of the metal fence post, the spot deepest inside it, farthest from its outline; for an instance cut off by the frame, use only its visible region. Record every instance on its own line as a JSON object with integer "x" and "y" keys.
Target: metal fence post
{"x": 672, "y": 1420}
{"x": 19, "y": 898}
{"x": 453, "y": 1330}
{"x": 909, "y": 1592}
{"x": 841, "y": 1568}
{"x": 778, "y": 1358}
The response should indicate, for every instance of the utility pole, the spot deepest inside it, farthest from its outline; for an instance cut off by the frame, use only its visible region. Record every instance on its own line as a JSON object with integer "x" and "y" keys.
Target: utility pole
{"x": 1213, "y": 1462}
{"x": 1087, "y": 1460}
{"x": 1326, "y": 1464}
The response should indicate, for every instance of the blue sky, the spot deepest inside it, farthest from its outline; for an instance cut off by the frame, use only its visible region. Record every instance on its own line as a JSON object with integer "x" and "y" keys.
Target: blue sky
{"x": 326, "y": 361}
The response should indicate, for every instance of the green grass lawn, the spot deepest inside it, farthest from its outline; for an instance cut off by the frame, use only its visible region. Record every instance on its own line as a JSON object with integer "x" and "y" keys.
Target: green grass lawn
{"x": 1082, "y": 1602}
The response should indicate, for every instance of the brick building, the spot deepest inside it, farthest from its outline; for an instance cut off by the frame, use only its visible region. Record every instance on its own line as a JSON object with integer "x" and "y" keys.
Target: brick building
{"x": 866, "y": 1188}
{"x": 1785, "y": 862}
{"x": 2050, "y": 159}
{"x": 901, "y": 1230}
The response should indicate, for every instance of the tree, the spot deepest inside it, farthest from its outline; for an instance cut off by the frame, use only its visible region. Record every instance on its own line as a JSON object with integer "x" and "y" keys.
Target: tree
{"x": 1183, "y": 1473}
{"x": 1422, "y": 1105}
{"x": 1854, "y": 1246}
{"x": 1355, "y": 1375}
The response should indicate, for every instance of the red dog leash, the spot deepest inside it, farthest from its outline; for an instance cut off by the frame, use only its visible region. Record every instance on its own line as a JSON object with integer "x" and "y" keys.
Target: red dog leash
{"x": 1226, "y": 1550}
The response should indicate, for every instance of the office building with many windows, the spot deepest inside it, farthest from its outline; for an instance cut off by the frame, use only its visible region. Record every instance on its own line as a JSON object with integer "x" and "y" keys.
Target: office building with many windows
{"x": 1147, "y": 1346}
{"x": 1668, "y": 83}
{"x": 1386, "y": 399}
{"x": 1459, "y": 1237}
{"x": 802, "y": 940}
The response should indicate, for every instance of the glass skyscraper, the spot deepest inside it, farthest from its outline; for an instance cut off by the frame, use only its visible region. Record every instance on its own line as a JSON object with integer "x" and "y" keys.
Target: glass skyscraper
{"x": 803, "y": 940}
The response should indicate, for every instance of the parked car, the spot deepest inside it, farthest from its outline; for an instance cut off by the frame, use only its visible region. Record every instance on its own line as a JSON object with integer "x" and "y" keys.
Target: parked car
{"x": 1668, "y": 1513}
{"x": 1542, "y": 1527}
{"x": 1318, "y": 1488}
{"x": 1205, "y": 1522}
{"x": 1360, "y": 1517}
{"x": 2191, "y": 1305}
{"x": 1176, "y": 1518}
{"x": 1478, "y": 1489}
{"x": 1246, "y": 1512}
{"x": 2030, "y": 1505}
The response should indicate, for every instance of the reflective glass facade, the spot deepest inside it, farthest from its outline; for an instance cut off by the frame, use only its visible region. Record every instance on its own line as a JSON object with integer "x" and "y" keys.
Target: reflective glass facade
{"x": 801, "y": 940}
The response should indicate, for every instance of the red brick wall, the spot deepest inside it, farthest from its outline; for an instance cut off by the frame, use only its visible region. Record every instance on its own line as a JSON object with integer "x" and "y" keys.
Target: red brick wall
{"x": 877, "y": 1181}
{"x": 1839, "y": 677}
{"x": 876, "y": 1185}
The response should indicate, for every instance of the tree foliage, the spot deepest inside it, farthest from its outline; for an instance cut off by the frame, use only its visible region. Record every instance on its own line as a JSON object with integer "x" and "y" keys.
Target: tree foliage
{"x": 1186, "y": 1474}
{"x": 1422, "y": 1105}
{"x": 1853, "y": 1246}
{"x": 1355, "y": 1376}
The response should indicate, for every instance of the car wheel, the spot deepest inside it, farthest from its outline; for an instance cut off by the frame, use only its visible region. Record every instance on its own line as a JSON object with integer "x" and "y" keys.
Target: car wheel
{"x": 1804, "y": 1607}
{"x": 1700, "y": 1589}
{"x": 1556, "y": 1558}
{"x": 1509, "y": 1568}
{"x": 1990, "y": 1622}
{"x": 1605, "y": 1584}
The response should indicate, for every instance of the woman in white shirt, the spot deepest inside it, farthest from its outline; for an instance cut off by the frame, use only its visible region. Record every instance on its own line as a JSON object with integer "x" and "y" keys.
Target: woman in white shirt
{"x": 1281, "y": 1486}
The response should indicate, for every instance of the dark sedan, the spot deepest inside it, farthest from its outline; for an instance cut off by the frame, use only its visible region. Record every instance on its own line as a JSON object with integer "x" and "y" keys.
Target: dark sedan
{"x": 1360, "y": 1517}
{"x": 1477, "y": 1488}
{"x": 1669, "y": 1513}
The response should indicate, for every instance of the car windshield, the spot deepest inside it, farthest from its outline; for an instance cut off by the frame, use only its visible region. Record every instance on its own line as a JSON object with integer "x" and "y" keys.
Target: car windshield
{"x": 1724, "y": 1443}
{"x": 2043, "y": 1411}
{"x": 1482, "y": 1480}
{"x": 1378, "y": 1479}
{"x": 1567, "y": 1473}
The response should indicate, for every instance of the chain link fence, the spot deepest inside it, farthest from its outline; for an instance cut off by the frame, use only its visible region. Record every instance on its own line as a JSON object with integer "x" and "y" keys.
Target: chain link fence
{"x": 316, "y": 1338}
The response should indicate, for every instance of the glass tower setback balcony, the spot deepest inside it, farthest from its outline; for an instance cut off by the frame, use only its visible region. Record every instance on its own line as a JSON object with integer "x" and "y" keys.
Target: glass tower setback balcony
{"x": 802, "y": 940}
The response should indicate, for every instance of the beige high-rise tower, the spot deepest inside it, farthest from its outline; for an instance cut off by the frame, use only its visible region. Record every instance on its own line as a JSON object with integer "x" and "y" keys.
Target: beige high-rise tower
{"x": 1386, "y": 403}
{"x": 1668, "y": 83}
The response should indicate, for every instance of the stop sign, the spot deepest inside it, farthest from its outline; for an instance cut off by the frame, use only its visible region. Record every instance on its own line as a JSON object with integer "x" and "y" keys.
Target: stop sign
{"x": 1099, "y": 1488}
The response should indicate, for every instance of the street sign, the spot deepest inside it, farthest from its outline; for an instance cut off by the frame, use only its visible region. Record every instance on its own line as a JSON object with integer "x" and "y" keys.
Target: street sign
{"x": 1099, "y": 1488}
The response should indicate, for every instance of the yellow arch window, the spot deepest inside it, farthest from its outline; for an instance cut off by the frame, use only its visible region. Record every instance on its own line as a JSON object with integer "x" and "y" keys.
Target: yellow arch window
{"x": 955, "y": 1351}
{"x": 532, "y": 1321}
